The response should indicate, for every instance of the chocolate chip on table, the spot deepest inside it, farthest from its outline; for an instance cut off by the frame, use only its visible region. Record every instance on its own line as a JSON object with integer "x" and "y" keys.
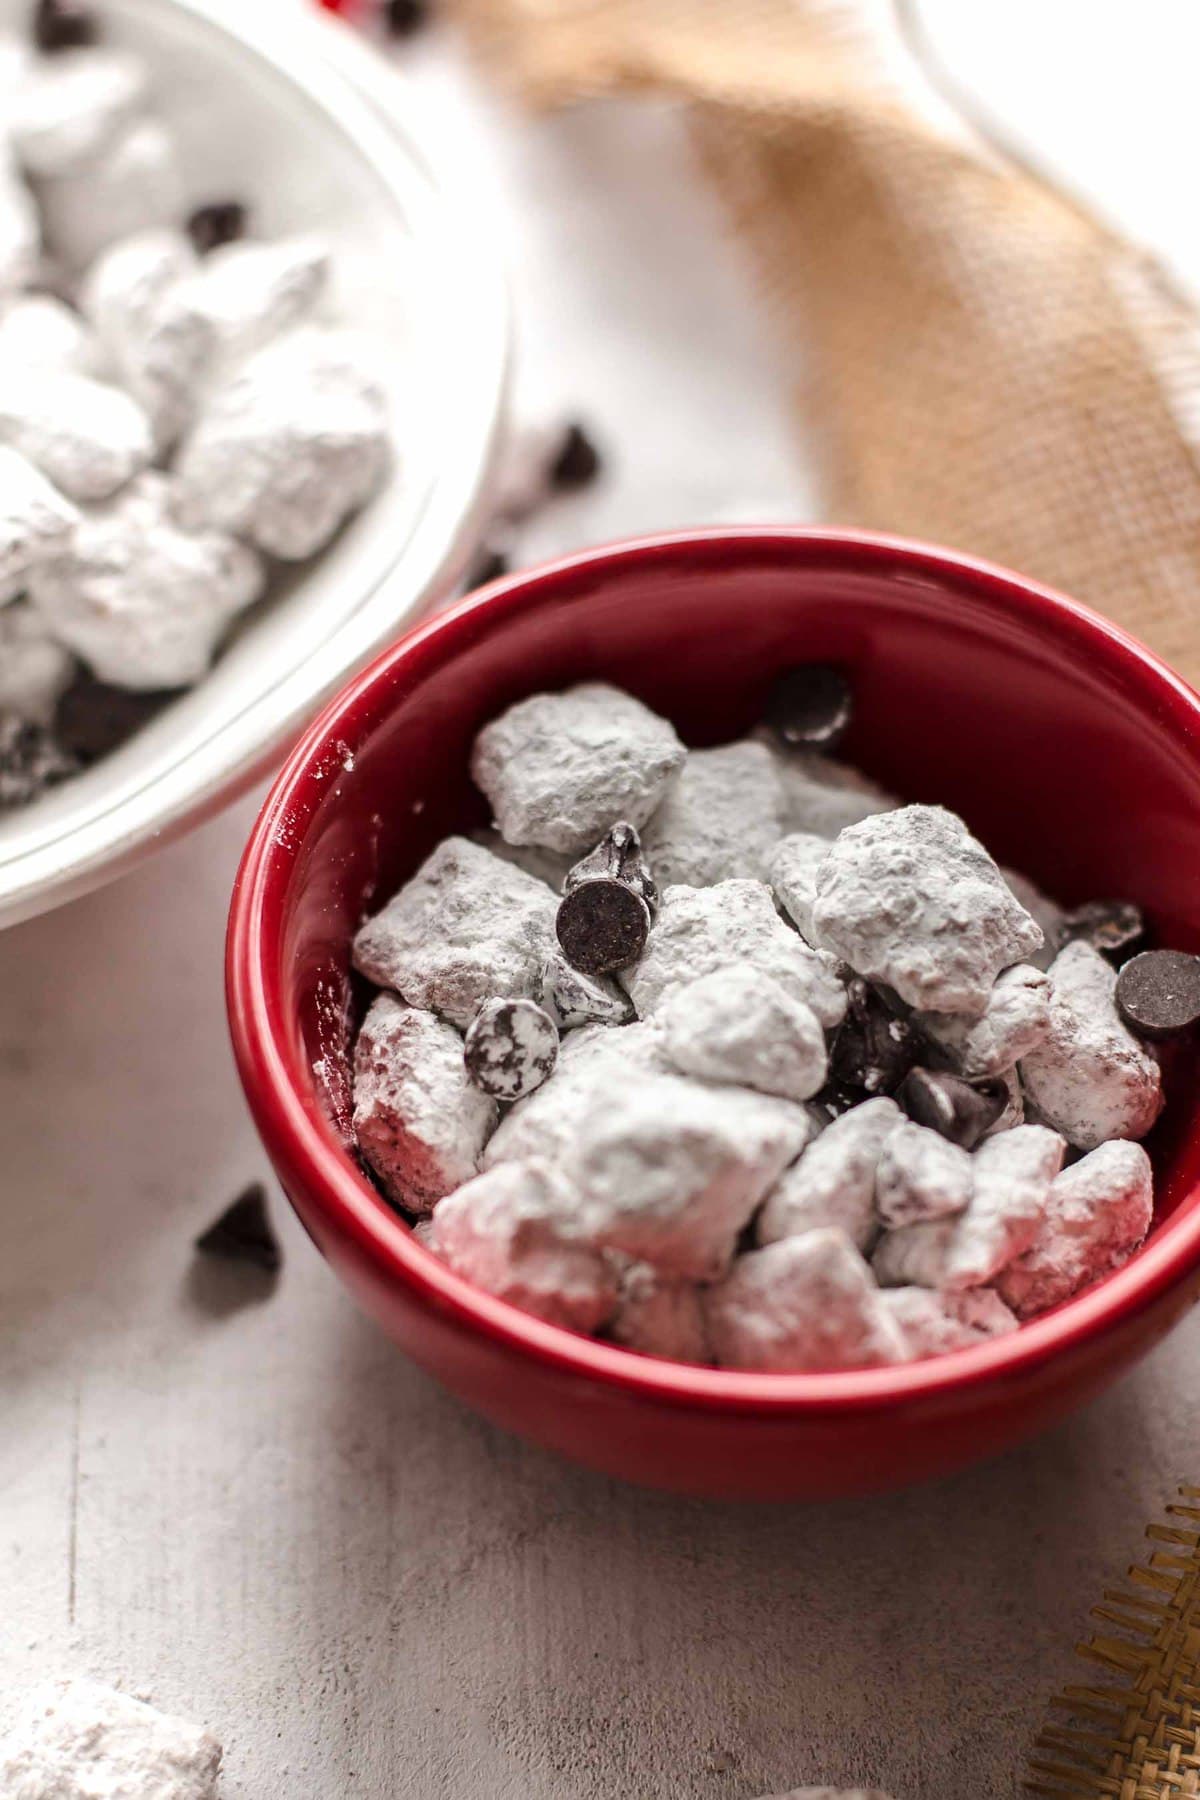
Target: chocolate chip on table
{"x": 873, "y": 1049}
{"x": 93, "y": 717}
{"x": 63, "y": 25}
{"x": 243, "y": 1232}
{"x": 1109, "y": 926}
{"x": 1158, "y": 992}
{"x": 403, "y": 17}
{"x": 31, "y": 761}
{"x": 489, "y": 564}
{"x": 602, "y": 925}
{"x": 511, "y": 1047}
{"x": 577, "y": 461}
{"x": 220, "y": 222}
{"x": 960, "y": 1110}
{"x": 810, "y": 707}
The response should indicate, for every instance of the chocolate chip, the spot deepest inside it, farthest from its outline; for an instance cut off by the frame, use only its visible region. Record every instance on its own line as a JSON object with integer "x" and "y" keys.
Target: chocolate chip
{"x": 31, "y": 762}
{"x": 1107, "y": 925}
{"x": 220, "y": 222}
{"x": 874, "y": 1049}
{"x": 617, "y": 857}
{"x": 243, "y": 1232}
{"x": 404, "y": 17}
{"x": 960, "y": 1110}
{"x": 602, "y": 925}
{"x": 576, "y": 463}
{"x": 93, "y": 718}
{"x": 511, "y": 1047}
{"x": 489, "y": 564}
{"x": 63, "y": 25}
{"x": 1158, "y": 992}
{"x": 810, "y": 707}
{"x": 834, "y": 1100}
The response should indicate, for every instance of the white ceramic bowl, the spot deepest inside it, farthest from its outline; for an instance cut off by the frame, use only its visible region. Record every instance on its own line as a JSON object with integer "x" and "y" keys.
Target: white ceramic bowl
{"x": 288, "y": 109}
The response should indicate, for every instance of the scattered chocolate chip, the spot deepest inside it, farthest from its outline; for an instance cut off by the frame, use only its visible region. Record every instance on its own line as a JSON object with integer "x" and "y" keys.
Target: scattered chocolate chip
{"x": 511, "y": 1047}
{"x": 873, "y": 1049}
{"x": 810, "y": 707}
{"x": 63, "y": 25}
{"x": 94, "y": 718}
{"x": 960, "y": 1110}
{"x": 489, "y": 564}
{"x": 577, "y": 461}
{"x": 404, "y": 17}
{"x": 1158, "y": 992}
{"x": 617, "y": 857}
{"x": 31, "y": 761}
{"x": 1107, "y": 925}
{"x": 243, "y": 1232}
{"x": 602, "y": 925}
{"x": 220, "y": 222}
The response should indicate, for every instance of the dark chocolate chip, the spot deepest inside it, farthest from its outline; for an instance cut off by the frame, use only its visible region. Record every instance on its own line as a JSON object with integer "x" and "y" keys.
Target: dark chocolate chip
{"x": 810, "y": 707}
{"x": 404, "y": 17}
{"x": 243, "y": 1232}
{"x": 94, "y": 718}
{"x": 31, "y": 761}
{"x": 960, "y": 1110}
{"x": 1109, "y": 926}
{"x": 63, "y": 25}
{"x": 873, "y": 1049}
{"x": 1158, "y": 992}
{"x": 617, "y": 857}
{"x": 602, "y": 925}
{"x": 489, "y": 564}
{"x": 576, "y": 463}
{"x": 834, "y": 1100}
{"x": 220, "y": 222}
{"x": 511, "y": 1047}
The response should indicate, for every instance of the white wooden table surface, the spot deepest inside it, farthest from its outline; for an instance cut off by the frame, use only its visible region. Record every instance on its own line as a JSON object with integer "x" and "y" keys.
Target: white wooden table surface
{"x": 243, "y": 1501}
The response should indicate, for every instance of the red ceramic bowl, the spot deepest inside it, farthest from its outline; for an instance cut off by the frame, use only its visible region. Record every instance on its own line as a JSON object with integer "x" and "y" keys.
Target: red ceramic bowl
{"x": 1068, "y": 747}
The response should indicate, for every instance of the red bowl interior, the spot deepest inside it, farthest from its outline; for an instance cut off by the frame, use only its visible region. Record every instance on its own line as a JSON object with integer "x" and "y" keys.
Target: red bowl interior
{"x": 1070, "y": 750}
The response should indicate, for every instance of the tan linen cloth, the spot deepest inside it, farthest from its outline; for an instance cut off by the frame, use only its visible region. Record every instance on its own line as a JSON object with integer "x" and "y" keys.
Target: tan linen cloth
{"x": 988, "y": 366}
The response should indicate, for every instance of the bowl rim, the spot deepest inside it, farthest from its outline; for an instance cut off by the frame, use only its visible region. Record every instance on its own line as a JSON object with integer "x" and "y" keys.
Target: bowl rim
{"x": 301, "y": 1140}
{"x": 370, "y": 104}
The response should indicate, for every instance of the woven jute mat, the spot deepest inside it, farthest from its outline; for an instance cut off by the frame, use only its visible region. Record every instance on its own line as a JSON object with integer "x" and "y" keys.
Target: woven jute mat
{"x": 985, "y": 364}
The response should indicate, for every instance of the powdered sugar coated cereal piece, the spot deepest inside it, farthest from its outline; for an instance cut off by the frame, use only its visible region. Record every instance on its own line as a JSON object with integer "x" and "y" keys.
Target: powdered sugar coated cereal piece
{"x": 158, "y": 347}
{"x": 1014, "y": 1110}
{"x": 511, "y": 1232}
{"x": 39, "y": 332}
{"x": 914, "y": 1255}
{"x": 88, "y": 437}
{"x": 548, "y": 1122}
{"x": 132, "y": 185}
{"x": 807, "y": 1302}
{"x": 249, "y": 293}
{"x": 143, "y": 602}
{"x": 823, "y": 796}
{"x": 20, "y": 230}
{"x": 658, "y": 1316}
{"x": 1012, "y": 1025}
{"x": 1090, "y": 1078}
{"x": 933, "y": 1323}
{"x": 420, "y": 1120}
{"x": 550, "y": 866}
{"x": 792, "y": 871}
{"x": 573, "y": 998}
{"x": 719, "y": 820}
{"x": 1012, "y": 1177}
{"x": 79, "y": 1740}
{"x": 34, "y": 667}
{"x": 1046, "y": 912}
{"x": 700, "y": 930}
{"x": 910, "y": 898}
{"x": 921, "y": 1175}
{"x": 669, "y": 1170}
{"x": 739, "y": 1025}
{"x": 1096, "y": 1215}
{"x": 72, "y": 106}
{"x": 467, "y": 928}
{"x": 560, "y": 769}
{"x": 35, "y": 520}
{"x": 833, "y": 1184}
{"x": 289, "y": 446}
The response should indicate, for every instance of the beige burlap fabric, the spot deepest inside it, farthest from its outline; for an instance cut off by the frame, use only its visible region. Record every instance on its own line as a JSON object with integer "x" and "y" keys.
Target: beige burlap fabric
{"x": 987, "y": 365}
